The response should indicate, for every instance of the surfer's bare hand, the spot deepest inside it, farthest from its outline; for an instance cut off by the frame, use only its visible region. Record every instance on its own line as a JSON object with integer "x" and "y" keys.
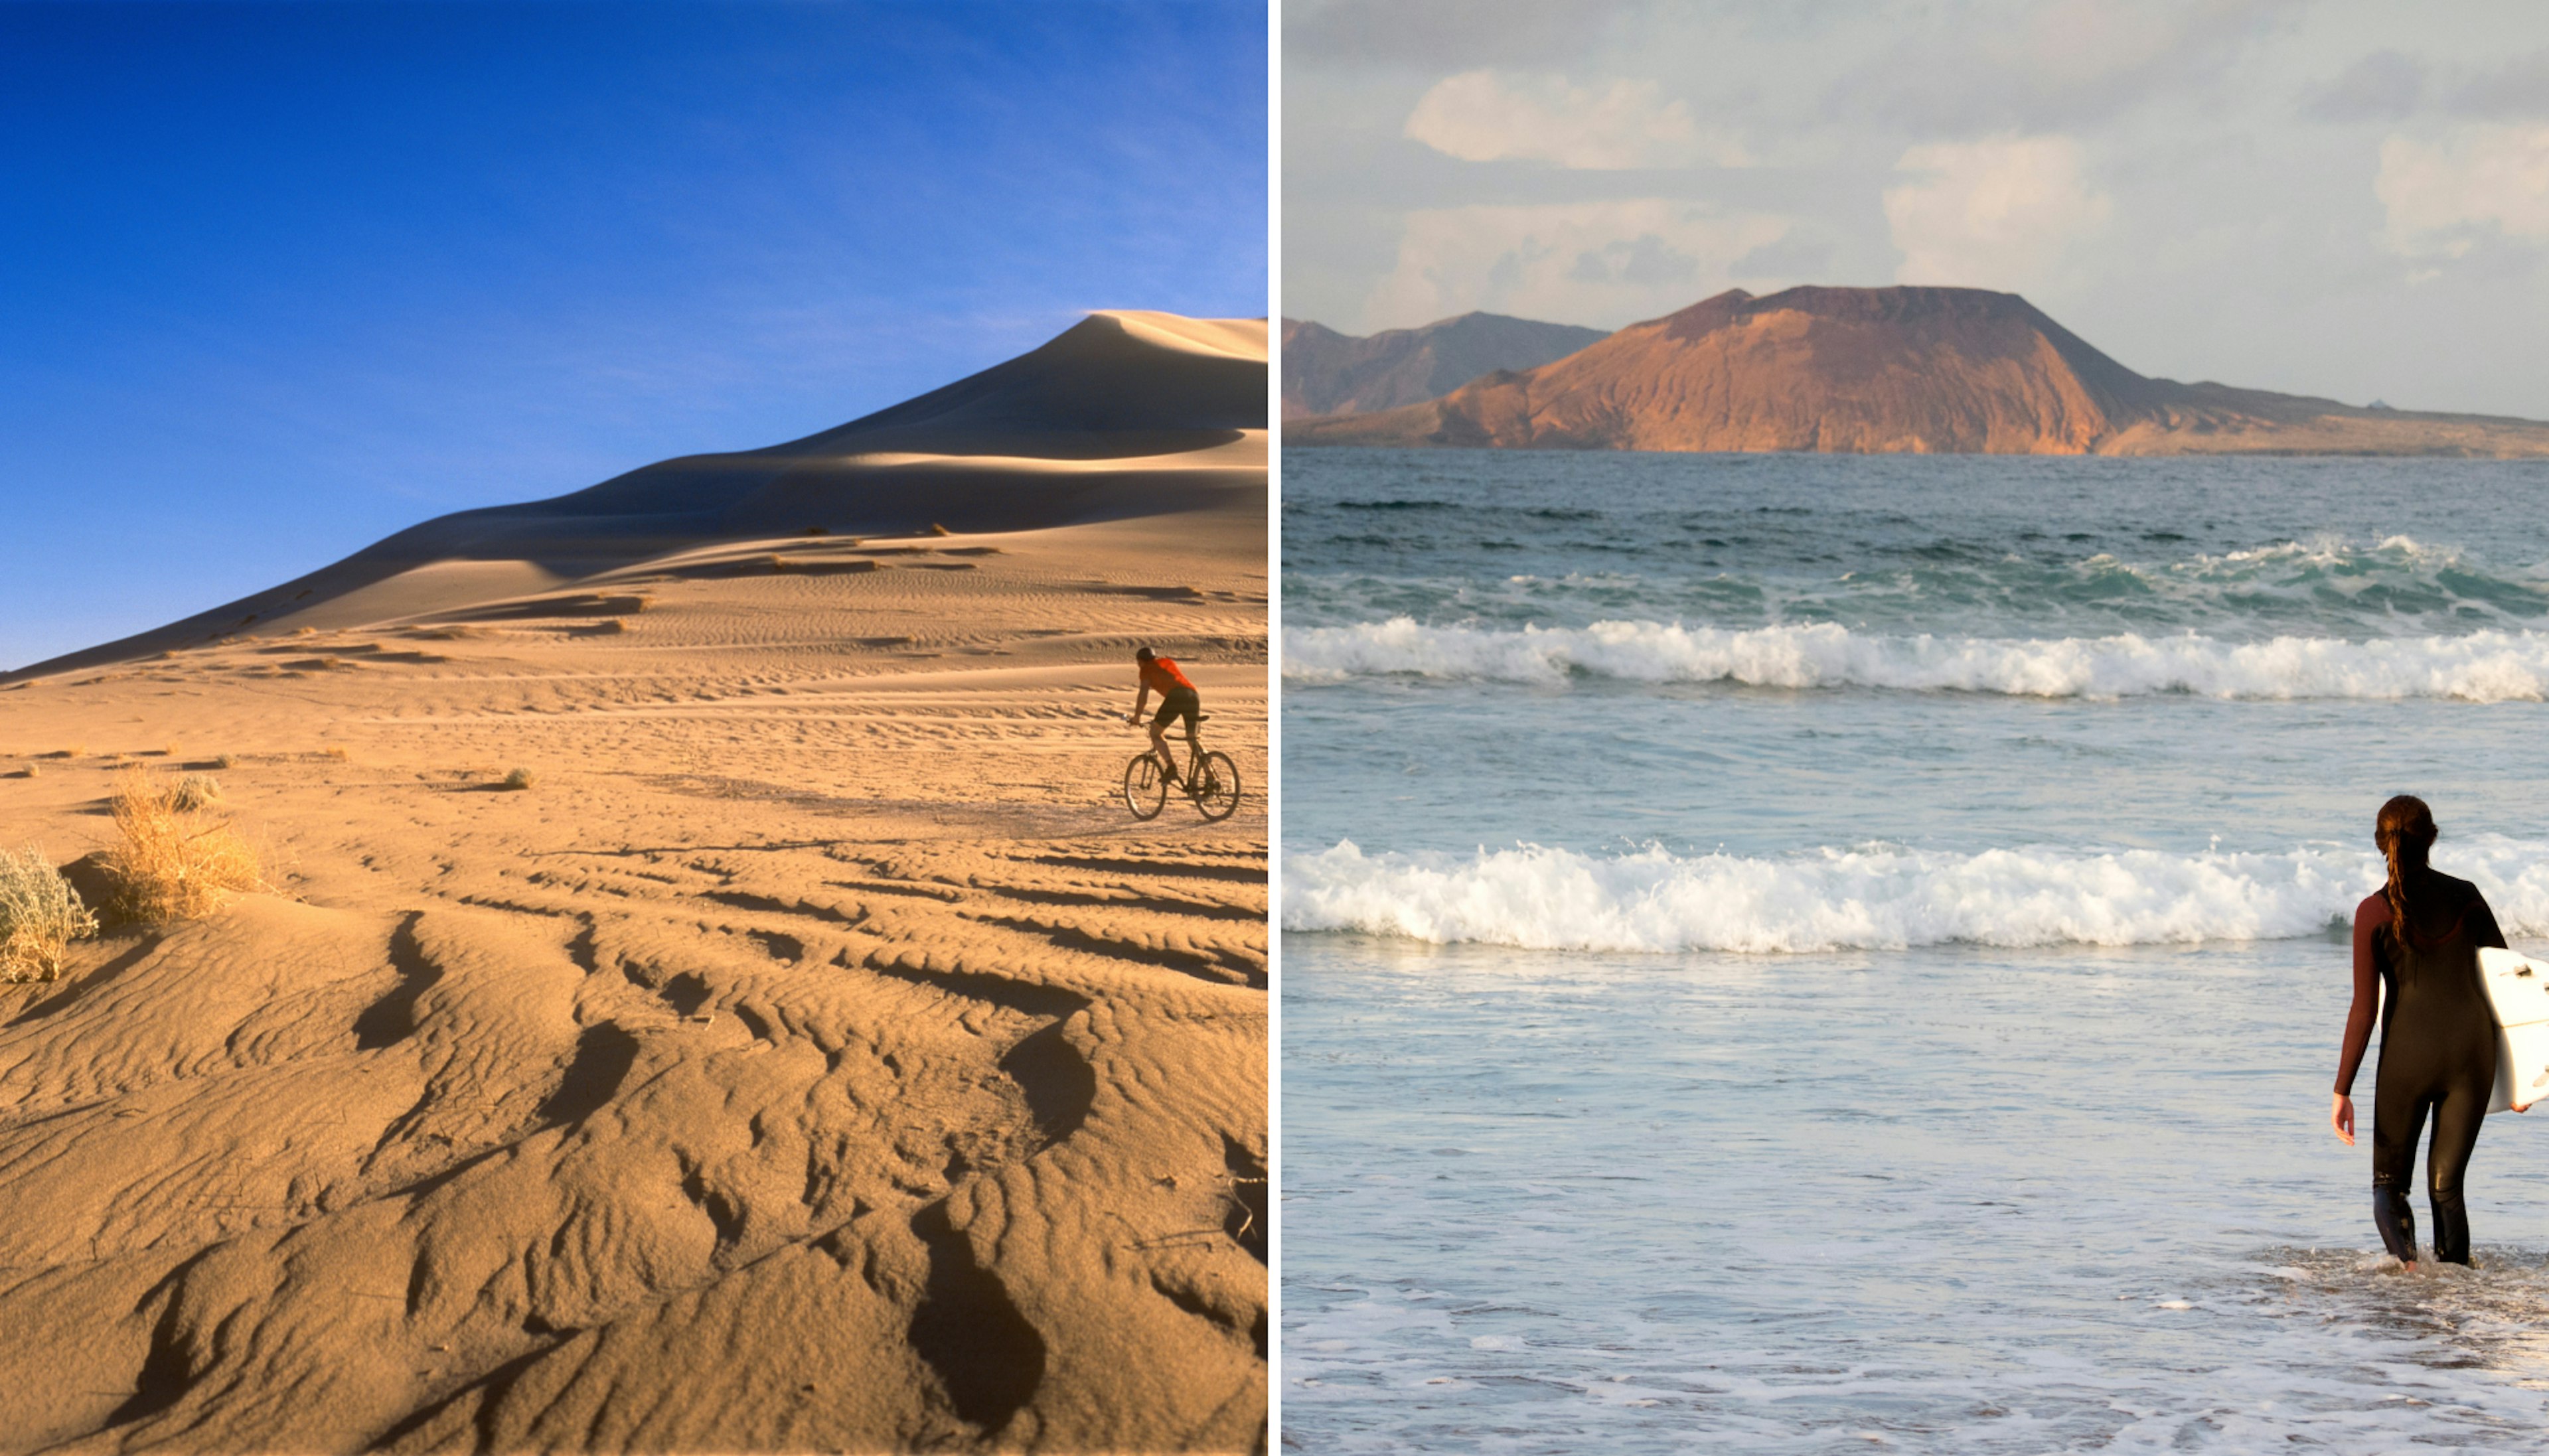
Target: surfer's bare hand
{"x": 2341, "y": 1115}
{"x": 2523, "y": 1107}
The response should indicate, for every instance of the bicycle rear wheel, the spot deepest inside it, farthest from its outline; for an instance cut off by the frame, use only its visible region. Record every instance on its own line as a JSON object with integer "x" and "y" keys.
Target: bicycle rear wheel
{"x": 1144, "y": 793}
{"x": 1216, "y": 790}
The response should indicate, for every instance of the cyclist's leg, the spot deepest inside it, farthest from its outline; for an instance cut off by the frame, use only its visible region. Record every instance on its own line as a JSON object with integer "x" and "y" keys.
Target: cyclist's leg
{"x": 1160, "y": 746}
{"x": 1191, "y": 707}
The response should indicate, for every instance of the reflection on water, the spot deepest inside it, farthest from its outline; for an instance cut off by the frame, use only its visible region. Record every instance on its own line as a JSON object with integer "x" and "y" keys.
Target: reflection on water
{"x": 1951, "y": 1201}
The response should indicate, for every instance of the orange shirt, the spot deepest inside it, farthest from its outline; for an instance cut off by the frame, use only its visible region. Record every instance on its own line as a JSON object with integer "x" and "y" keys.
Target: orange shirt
{"x": 1161, "y": 676}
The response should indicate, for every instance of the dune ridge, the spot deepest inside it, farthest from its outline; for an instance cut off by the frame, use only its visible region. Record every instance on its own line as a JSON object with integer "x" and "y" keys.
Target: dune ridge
{"x": 1906, "y": 369}
{"x": 1126, "y": 414}
{"x": 814, "y": 1057}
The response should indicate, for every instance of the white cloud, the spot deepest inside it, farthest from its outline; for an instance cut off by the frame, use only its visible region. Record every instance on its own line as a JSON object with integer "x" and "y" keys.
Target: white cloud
{"x": 1490, "y": 116}
{"x": 2443, "y": 196}
{"x": 1602, "y": 264}
{"x": 1998, "y": 214}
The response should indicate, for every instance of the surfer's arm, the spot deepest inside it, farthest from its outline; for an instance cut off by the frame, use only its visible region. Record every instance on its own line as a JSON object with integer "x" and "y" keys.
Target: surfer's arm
{"x": 2369, "y": 917}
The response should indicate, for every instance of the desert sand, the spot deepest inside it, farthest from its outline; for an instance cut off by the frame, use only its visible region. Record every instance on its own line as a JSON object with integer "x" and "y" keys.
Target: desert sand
{"x": 815, "y": 1056}
{"x": 1912, "y": 369}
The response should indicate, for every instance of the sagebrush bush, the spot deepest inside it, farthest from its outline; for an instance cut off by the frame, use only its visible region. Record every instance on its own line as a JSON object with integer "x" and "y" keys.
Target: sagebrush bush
{"x": 521, "y": 778}
{"x": 175, "y": 864}
{"x": 40, "y": 916}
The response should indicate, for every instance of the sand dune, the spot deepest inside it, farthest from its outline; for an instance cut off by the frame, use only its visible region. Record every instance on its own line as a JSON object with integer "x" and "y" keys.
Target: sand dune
{"x": 1124, "y": 415}
{"x": 816, "y": 1057}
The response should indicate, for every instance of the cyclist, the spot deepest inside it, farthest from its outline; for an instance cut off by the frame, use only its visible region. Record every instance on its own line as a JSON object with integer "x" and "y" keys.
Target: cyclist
{"x": 1177, "y": 700}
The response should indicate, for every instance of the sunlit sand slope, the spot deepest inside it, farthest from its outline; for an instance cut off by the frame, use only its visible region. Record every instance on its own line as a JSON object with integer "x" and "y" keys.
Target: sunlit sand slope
{"x": 816, "y": 1057}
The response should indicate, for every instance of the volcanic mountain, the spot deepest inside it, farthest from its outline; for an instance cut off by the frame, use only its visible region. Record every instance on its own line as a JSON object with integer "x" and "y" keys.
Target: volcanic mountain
{"x": 1330, "y": 373}
{"x": 1891, "y": 369}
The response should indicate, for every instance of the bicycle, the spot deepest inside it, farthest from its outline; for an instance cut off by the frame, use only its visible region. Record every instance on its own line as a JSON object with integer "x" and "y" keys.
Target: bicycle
{"x": 1211, "y": 780}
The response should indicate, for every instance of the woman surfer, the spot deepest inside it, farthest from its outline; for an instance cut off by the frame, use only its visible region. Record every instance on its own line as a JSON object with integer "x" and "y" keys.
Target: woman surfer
{"x": 2418, "y": 937}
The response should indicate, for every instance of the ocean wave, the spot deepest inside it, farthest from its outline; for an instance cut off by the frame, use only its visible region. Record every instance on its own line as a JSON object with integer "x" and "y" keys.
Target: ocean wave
{"x": 2322, "y": 586}
{"x": 2478, "y": 667}
{"x": 1875, "y": 897}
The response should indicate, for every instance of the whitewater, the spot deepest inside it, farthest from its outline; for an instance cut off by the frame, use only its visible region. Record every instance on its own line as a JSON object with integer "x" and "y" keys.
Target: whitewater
{"x": 2480, "y": 666}
{"x": 1796, "y": 954}
{"x": 1870, "y": 897}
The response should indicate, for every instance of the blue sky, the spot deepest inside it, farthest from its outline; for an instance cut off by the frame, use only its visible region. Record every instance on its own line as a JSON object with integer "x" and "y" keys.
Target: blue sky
{"x": 278, "y": 280}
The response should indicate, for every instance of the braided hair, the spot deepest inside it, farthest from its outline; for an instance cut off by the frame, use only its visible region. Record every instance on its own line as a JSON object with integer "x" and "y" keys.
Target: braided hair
{"x": 2404, "y": 831}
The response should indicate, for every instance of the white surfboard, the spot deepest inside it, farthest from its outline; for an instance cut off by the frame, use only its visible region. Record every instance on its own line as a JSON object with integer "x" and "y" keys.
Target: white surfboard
{"x": 2518, "y": 989}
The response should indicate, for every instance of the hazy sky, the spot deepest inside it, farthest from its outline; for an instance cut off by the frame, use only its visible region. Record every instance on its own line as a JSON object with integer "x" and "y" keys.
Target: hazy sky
{"x": 2343, "y": 199}
{"x": 278, "y": 280}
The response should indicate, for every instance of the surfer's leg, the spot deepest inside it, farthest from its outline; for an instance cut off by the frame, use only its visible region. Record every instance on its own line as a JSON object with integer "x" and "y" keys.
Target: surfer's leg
{"x": 2456, "y": 1123}
{"x": 2397, "y": 1221}
{"x": 2397, "y": 1117}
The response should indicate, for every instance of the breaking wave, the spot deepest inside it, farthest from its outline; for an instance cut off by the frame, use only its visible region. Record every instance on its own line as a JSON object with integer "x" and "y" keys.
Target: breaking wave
{"x": 2479, "y": 667}
{"x": 1875, "y": 897}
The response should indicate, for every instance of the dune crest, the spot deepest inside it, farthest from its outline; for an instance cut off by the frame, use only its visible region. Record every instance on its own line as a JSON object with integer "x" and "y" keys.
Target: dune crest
{"x": 1124, "y": 416}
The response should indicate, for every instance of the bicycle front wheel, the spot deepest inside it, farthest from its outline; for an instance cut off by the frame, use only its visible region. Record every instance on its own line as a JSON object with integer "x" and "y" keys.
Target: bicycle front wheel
{"x": 1216, "y": 790}
{"x": 1144, "y": 792}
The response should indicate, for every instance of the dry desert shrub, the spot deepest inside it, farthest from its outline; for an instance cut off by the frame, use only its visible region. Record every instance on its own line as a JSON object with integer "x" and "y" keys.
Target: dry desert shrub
{"x": 226, "y": 760}
{"x": 935, "y": 529}
{"x": 520, "y": 779}
{"x": 40, "y": 916}
{"x": 175, "y": 864}
{"x": 338, "y": 752}
{"x": 194, "y": 793}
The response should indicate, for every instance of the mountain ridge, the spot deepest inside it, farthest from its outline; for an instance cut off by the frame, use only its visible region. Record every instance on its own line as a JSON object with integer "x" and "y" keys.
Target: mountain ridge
{"x": 1904, "y": 369}
{"x": 1326, "y": 372}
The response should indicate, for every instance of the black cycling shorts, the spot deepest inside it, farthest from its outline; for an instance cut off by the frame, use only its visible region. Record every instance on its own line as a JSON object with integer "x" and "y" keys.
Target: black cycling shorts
{"x": 1178, "y": 702}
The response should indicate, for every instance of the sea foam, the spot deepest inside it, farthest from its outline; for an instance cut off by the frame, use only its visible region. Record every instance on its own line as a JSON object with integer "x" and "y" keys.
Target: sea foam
{"x": 1873, "y": 897}
{"x": 2479, "y": 667}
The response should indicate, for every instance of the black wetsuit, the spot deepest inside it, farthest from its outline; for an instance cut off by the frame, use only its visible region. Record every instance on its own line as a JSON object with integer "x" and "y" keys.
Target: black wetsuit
{"x": 2437, "y": 1052}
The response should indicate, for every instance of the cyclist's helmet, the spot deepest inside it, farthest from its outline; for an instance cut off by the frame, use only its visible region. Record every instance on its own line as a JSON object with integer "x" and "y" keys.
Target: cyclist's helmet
{"x": 1142, "y": 654}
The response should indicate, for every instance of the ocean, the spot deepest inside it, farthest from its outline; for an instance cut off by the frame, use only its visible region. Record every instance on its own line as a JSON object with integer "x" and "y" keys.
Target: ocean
{"x": 1802, "y": 953}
